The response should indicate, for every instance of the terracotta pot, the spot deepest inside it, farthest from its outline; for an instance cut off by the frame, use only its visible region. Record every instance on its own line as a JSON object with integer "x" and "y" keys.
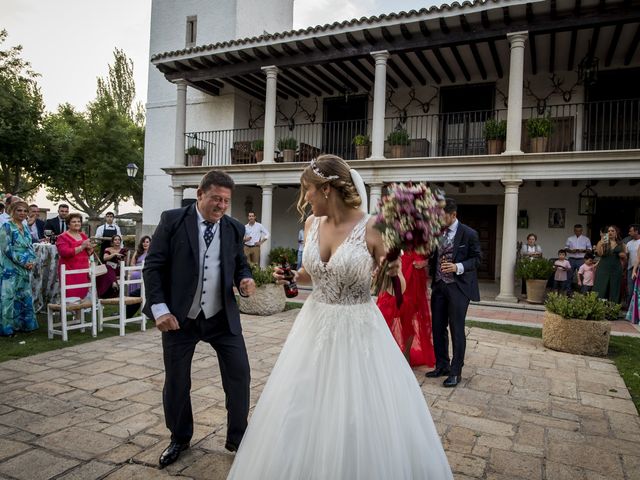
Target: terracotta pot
{"x": 536, "y": 290}
{"x": 194, "y": 160}
{"x": 580, "y": 337}
{"x": 539, "y": 144}
{"x": 399, "y": 151}
{"x": 259, "y": 155}
{"x": 267, "y": 300}
{"x": 289, "y": 155}
{"x": 362, "y": 152}
{"x": 495, "y": 146}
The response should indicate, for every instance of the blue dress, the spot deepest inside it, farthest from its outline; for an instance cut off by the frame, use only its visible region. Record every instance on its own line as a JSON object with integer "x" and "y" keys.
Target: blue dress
{"x": 16, "y": 249}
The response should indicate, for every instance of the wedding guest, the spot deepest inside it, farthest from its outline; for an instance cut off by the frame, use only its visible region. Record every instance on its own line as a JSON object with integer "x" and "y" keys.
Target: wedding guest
{"x": 531, "y": 249}
{"x": 300, "y": 248}
{"x": 59, "y": 224}
{"x": 561, "y": 267}
{"x": 576, "y": 247}
{"x": 36, "y": 225}
{"x": 612, "y": 253}
{"x": 107, "y": 284}
{"x": 137, "y": 260}
{"x": 17, "y": 259}
{"x": 410, "y": 324}
{"x": 586, "y": 273}
{"x": 632, "y": 253}
{"x": 254, "y": 236}
{"x": 633, "y": 313}
{"x": 74, "y": 248}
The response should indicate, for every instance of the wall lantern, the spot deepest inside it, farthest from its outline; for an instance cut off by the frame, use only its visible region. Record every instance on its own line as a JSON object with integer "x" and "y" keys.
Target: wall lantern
{"x": 132, "y": 170}
{"x": 587, "y": 201}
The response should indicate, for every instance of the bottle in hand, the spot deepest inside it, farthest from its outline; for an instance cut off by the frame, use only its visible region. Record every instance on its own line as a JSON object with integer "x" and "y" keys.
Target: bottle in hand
{"x": 291, "y": 288}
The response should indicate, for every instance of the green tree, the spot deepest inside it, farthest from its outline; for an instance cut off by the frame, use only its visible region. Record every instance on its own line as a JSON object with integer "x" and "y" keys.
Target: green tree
{"x": 21, "y": 111}
{"x": 88, "y": 152}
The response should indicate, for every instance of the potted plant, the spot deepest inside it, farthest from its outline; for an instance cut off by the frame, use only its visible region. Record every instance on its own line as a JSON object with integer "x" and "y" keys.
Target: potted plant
{"x": 362, "y": 146}
{"x": 398, "y": 140}
{"x": 194, "y": 156}
{"x": 268, "y": 299}
{"x": 288, "y": 147}
{"x": 578, "y": 324}
{"x": 539, "y": 130}
{"x": 536, "y": 272}
{"x": 495, "y": 133}
{"x": 258, "y": 148}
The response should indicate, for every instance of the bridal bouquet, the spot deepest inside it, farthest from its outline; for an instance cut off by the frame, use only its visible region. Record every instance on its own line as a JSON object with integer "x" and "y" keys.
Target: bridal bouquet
{"x": 410, "y": 217}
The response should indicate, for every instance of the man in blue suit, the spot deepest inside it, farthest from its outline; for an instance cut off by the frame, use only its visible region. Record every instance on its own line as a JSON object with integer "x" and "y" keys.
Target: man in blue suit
{"x": 453, "y": 269}
{"x": 195, "y": 259}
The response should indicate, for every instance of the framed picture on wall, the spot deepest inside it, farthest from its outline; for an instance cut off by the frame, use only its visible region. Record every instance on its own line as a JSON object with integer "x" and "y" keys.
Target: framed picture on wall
{"x": 556, "y": 217}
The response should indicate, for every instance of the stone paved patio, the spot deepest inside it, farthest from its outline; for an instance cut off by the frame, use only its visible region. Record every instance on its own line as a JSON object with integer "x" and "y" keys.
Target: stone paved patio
{"x": 522, "y": 412}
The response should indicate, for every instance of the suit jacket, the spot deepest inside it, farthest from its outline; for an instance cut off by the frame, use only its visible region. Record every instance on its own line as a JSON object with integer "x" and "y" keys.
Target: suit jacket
{"x": 466, "y": 250}
{"x": 40, "y": 228}
{"x": 53, "y": 224}
{"x": 171, "y": 266}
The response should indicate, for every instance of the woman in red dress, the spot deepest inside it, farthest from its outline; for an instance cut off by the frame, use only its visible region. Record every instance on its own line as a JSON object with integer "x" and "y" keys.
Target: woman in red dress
{"x": 411, "y": 323}
{"x": 74, "y": 249}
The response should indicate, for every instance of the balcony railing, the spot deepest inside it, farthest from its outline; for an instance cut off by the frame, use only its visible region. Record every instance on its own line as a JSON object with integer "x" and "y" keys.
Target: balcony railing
{"x": 602, "y": 125}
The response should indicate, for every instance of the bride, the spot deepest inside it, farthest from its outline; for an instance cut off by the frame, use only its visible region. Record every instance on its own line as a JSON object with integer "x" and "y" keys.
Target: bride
{"x": 341, "y": 402}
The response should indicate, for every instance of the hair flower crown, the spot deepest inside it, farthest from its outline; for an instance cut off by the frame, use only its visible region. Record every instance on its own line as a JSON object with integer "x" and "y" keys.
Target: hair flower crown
{"x": 315, "y": 169}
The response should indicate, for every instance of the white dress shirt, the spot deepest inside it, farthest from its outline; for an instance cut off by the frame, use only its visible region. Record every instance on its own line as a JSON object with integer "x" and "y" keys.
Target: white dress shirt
{"x": 451, "y": 235}
{"x": 578, "y": 243}
{"x": 257, "y": 232}
{"x": 100, "y": 229}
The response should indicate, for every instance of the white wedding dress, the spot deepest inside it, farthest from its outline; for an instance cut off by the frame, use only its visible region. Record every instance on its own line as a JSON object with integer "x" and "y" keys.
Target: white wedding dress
{"x": 341, "y": 402}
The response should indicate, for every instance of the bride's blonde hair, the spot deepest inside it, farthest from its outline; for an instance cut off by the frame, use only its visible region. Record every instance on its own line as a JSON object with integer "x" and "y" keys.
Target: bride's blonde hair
{"x": 332, "y": 170}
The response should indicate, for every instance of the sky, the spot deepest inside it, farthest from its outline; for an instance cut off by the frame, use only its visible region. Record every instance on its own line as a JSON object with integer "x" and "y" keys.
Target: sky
{"x": 71, "y": 42}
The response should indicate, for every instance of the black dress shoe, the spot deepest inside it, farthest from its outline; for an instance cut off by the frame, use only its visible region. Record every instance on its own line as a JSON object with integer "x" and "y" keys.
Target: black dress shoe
{"x": 438, "y": 372}
{"x": 232, "y": 447}
{"x": 452, "y": 381}
{"x": 172, "y": 453}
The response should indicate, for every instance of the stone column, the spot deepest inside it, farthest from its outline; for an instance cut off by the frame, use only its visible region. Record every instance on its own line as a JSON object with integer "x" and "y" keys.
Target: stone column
{"x": 516, "y": 78}
{"x": 178, "y": 192}
{"x": 181, "y": 122}
{"x": 265, "y": 220}
{"x": 375, "y": 192}
{"x": 270, "y": 113}
{"x": 509, "y": 241}
{"x": 379, "y": 101}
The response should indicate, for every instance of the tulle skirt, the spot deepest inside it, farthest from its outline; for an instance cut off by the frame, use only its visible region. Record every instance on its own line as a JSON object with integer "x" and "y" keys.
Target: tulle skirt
{"x": 341, "y": 404}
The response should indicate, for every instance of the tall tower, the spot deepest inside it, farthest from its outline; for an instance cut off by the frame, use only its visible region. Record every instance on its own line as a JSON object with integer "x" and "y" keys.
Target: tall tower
{"x": 176, "y": 26}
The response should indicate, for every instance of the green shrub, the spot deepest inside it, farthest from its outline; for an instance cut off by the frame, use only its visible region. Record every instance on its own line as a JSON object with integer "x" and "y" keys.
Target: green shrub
{"x": 539, "y": 127}
{"x": 495, "y": 129}
{"x": 193, "y": 150}
{"x": 257, "y": 145}
{"x": 262, "y": 276}
{"x": 276, "y": 254}
{"x": 534, "y": 269}
{"x": 399, "y": 137}
{"x": 287, "y": 143}
{"x": 583, "y": 307}
{"x": 361, "y": 140}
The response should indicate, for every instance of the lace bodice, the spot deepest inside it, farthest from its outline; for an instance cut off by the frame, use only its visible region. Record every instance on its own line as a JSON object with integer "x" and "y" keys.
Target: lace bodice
{"x": 346, "y": 278}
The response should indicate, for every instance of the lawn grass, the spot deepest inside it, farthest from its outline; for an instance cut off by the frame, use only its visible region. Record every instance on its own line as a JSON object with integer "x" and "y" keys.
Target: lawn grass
{"x": 32, "y": 343}
{"x": 624, "y": 351}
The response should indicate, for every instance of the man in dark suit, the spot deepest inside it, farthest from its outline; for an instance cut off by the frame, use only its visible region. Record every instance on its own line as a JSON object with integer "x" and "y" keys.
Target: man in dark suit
{"x": 36, "y": 225}
{"x": 454, "y": 283}
{"x": 58, "y": 224}
{"x": 195, "y": 259}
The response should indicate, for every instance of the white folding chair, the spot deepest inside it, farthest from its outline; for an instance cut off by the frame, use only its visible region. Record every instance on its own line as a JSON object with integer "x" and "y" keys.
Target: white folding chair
{"x": 123, "y": 300}
{"x": 77, "y": 309}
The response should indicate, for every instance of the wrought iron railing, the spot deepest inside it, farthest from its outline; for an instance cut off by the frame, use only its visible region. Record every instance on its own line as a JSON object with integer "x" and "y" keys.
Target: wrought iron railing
{"x": 602, "y": 125}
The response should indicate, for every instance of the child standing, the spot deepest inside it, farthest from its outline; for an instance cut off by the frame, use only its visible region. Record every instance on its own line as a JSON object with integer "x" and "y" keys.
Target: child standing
{"x": 561, "y": 266}
{"x": 586, "y": 273}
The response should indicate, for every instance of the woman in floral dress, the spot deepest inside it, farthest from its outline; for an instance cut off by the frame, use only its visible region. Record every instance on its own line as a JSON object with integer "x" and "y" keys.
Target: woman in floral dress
{"x": 17, "y": 259}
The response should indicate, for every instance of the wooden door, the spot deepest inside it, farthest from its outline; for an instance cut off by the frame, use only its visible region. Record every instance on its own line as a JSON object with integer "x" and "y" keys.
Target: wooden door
{"x": 483, "y": 219}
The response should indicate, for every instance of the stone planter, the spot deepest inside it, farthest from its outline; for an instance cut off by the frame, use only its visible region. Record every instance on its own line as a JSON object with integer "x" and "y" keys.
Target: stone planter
{"x": 580, "y": 337}
{"x": 259, "y": 156}
{"x": 536, "y": 290}
{"x": 289, "y": 155}
{"x": 399, "y": 151}
{"x": 267, "y": 300}
{"x": 539, "y": 144}
{"x": 362, "y": 152}
{"x": 194, "y": 160}
{"x": 495, "y": 146}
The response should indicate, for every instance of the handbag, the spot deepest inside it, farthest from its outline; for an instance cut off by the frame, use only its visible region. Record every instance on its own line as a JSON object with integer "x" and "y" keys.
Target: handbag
{"x": 99, "y": 268}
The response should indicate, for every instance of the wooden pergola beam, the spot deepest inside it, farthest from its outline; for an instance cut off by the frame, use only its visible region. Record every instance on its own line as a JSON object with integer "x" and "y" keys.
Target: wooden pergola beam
{"x": 411, "y": 66}
{"x": 496, "y": 58}
{"x": 460, "y": 62}
{"x": 615, "y": 38}
{"x": 425, "y": 63}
